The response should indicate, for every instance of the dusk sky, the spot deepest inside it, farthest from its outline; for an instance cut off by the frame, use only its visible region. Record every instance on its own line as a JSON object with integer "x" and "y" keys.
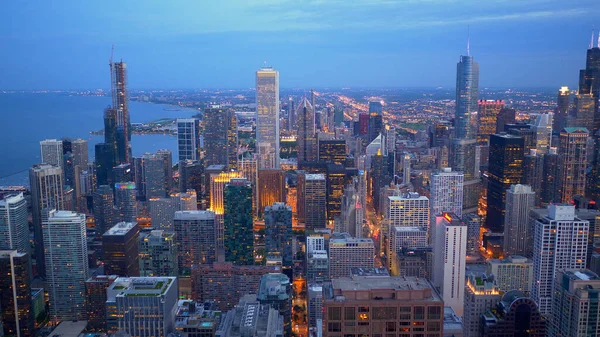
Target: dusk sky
{"x": 313, "y": 43}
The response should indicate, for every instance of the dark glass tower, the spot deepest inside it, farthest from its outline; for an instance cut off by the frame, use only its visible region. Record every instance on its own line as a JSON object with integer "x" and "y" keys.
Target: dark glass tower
{"x": 278, "y": 230}
{"x": 505, "y": 169}
{"x": 306, "y": 141}
{"x": 220, "y": 137}
{"x": 118, "y": 77}
{"x": 15, "y": 295}
{"x": 239, "y": 232}
{"x": 467, "y": 86}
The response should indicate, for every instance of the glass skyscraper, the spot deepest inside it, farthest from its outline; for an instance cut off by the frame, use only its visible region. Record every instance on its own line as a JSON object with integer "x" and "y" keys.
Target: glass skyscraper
{"x": 467, "y": 87}
{"x": 239, "y": 232}
{"x": 267, "y": 117}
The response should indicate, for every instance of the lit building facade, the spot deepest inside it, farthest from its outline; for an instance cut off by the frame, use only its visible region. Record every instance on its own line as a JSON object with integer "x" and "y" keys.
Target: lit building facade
{"x": 196, "y": 239}
{"x": 267, "y": 117}
{"x": 238, "y": 238}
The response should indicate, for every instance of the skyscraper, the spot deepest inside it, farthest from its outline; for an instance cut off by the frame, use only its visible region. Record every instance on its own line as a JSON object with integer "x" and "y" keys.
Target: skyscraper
{"x": 450, "y": 252}
{"x": 543, "y": 130}
{"x": 278, "y": 232}
{"x": 95, "y": 301}
{"x": 271, "y": 188}
{"x": 562, "y": 109}
{"x": 505, "y": 169}
{"x": 47, "y": 191}
{"x": 188, "y": 138}
{"x": 154, "y": 176}
{"x": 488, "y": 113}
{"x": 560, "y": 243}
{"x": 517, "y": 231}
{"x": 126, "y": 204}
{"x": 238, "y": 222}
{"x": 16, "y": 318}
{"x": 120, "y": 141}
{"x": 158, "y": 253}
{"x": 551, "y": 177}
{"x": 306, "y": 140}
{"x": 267, "y": 117}
{"x": 196, "y": 239}
{"x": 276, "y": 290}
{"x": 220, "y": 137}
{"x": 347, "y": 252}
{"x": 515, "y": 315}
{"x": 67, "y": 264}
{"x": 52, "y": 152}
{"x": 585, "y": 106}
{"x": 533, "y": 173}
{"x": 120, "y": 249}
{"x": 104, "y": 209}
{"x": 481, "y": 294}
{"x": 14, "y": 227}
{"x": 467, "y": 87}
{"x": 589, "y": 78}
{"x": 312, "y": 195}
{"x": 573, "y": 162}
{"x": 446, "y": 192}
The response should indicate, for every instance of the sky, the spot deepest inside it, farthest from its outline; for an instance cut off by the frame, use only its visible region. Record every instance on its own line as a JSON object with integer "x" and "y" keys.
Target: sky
{"x": 179, "y": 44}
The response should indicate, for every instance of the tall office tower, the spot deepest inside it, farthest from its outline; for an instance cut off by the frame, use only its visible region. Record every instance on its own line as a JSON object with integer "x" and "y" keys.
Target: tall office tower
{"x": 95, "y": 301}
{"x": 167, "y": 158}
{"x": 217, "y": 188}
{"x": 506, "y": 116}
{"x": 315, "y": 306}
{"x": 278, "y": 232}
{"x": 162, "y": 211}
{"x": 450, "y": 253}
{"x": 154, "y": 176}
{"x": 505, "y": 169}
{"x": 473, "y": 222}
{"x": 446, "y": 192}
{"x": 402, "y": 239}
{"x": 573, "y": 163}
{"x": 306, "y": 139}
{"x": 515, "y": 315}
{"x": 188, "y": 138}
{"x": 224, "y": 283}
{"x": 196, "y": 239}
{"x": 248, "y": 168}
{"x": 517, "y": 232}
{"x": 104, "y": 209}
{"x": 142, "y": 306}
{"x": 575, "y": 308}
{"x": 51, "y": 152}
{"x": 123, "y": 173}
{"x": 336, "y": 178}
{"x": 312, "y": 196}
{"x": 332, "y": 151}
{"x": 488, "y": 113}
{"x": 67, "y": 264}
{"x": 380, "y": 176}
{"x": 543, "y": 130}
{"x": 14, "y": 227}
{"x": 292, "y": 118}
{"x": 533, "y": 173}
{"x": 511, "y": 273}
{"x": 103, "y": 163}
{"x": 562, "y": 110}
{"x": 346, "y": 253}
{"x": 126, "y": 204}
{"x": 551, "y": 177}
{"x": 79, "y": 149}
{"x": 525, "y": 131}
{"x": 584, "y": 112}
{"x": 220, "y": 137}
{"x": 120, "y": 249}
{"x": 467, "y": 87}
{"x": 482, "y": 294}
{"x": 250, "y": 318}
{"x": 589, "y": 78}
{"x": 275, "y": 290}
{"x": 375, "y": 125}
{"x": 271, "y": 188}
{"x": 46, "y": 183}
{"x": 363, "y": 124}
{"x": 408, "y": 210}
{"x": 267, "y": 117}
{"x": 191, "y": 176}
{"x": 158, "y": 253}
{"x": 15, "y": 295}
{"x": 410, "y": 300}
{"x": 560, "y": 243}
{"x": 238, "y": 238}
{"x": 121, "y": 141}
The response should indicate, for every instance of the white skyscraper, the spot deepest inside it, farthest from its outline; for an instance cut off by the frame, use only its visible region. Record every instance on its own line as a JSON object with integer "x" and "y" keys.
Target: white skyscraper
{"x": 346, "y": 253}
{"x": 14, "y": 227}
{"x": 408, "y": 210}
{"x": 446, "y": 192}
{"x": 543, "y": 132}
{"x": 188, "y": 138}
{"x": 517, "y": 232}
{"x": 52, "y": 152}
{"x": 66, "y": 264}
{"x": 450, "y": 253}
{"x": 267, "y": 117}
{"x": 560, "y": 243}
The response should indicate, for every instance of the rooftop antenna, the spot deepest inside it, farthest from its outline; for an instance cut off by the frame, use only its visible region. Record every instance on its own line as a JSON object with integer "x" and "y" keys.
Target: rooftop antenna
{"x": 112, "y": 53}
{"x": 469, "y": 40}
{"x": 598, "y": 45}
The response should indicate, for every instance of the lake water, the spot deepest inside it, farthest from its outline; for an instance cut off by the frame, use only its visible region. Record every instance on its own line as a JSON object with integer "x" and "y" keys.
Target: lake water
{"x": 26, "y": 119}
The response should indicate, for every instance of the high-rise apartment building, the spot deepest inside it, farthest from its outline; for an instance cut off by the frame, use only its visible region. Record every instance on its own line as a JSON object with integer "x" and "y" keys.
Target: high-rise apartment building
{"x": 142, "y": 306}
{"x": 573, "y": 162}
{"x": 505, "y": 169}
{"x": 560, "y": 243}
{"x": 153, "y": 176}
{"x": 120, "y": 249}
{"x": 354, "y": 305}
{"x": 196, "y": 239}
{"x": 275, "y": 290}
{"x": 47, "y": 191}
{"x": 220, "y": 137}
{"x": 125, "y": 202}
{"x": 267, "y": 117}
{"x": 306, "y": 140}
{"x": 278, "y": 232}
{"x": 518, "y": 234}
{"x": 16, "y": 317}
{"x": 14, "y": 226}
{"x": 238, "y": 238}
{"x": 188, "y": 138}
{"x": 51, "y": 152}
{"x": 575, "y": 309}
{"x": 450, "y": 252}
{"x": 67, "y": 270}
{"x": 312, "y": 196}
{"x": 511, "y": 273}
{"x": 346, "y": 253}
{"x": 95, "y": 301}
{"x": 162, "y": 211}
{"x": 446, "y": 192}
{"x": 467, "y": 92}
{"x": 533, "y": 173}
{"x": 158, "y": 253}
{"x": 473, "y": 222}
{"x": 481, "y": 295}
{"x": 487, "y": 119}
{"x": 104, "y": 209}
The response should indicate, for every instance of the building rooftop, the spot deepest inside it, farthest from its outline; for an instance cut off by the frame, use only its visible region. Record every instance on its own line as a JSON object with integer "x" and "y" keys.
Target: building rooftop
{"x": 369, "y": 272}
{"x": 410, "y": 195}
{"x": 274, "y": 284}
{"x": 69, "y": 329}
{"x": 409, "y": 229}
{"x": 140, "y": 286}
{"x": 196, "y": 315}
{"x": 510, "y": 260}
{"x": 125, "y": 186}
{"x": 314, "y": 176}
{"x": 583, "y": 275}
{"x": 384, "y": 283}
{"x": 120, "y": 228}
{"x": 347, "y": 241}
{"x": 452, "y": 323}
{"x": 194, "y": 215}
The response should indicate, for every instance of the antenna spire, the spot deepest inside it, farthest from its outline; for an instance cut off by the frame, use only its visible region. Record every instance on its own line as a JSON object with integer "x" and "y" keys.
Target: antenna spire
{"x": 469, "y": 40}
{"x": 598, "y": 45}
{"x": 592, "y": 40}
{"x": 112, "y": 53}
